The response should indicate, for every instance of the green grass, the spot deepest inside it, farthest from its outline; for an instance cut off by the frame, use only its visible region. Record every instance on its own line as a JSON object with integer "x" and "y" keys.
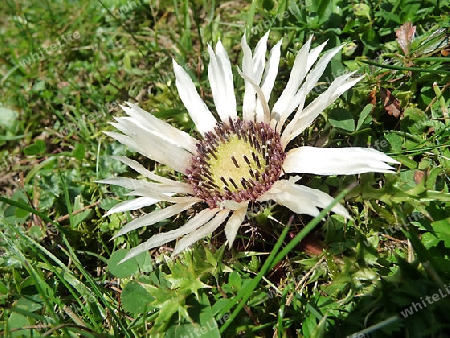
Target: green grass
{"x": 286, "y": 276}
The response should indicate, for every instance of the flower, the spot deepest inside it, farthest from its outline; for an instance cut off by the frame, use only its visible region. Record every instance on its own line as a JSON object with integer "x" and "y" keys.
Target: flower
{"x": 238, "y": 159}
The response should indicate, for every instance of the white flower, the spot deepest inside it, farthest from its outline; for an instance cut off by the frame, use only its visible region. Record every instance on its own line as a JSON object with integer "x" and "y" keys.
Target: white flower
{"x": 237, "y": 159}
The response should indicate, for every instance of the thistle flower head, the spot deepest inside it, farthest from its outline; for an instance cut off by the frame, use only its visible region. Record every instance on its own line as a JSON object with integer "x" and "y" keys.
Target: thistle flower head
{"x": 237, "y": 159}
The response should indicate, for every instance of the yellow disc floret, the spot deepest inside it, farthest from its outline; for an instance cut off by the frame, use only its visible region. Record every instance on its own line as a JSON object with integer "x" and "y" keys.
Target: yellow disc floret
{"x": 239, "y": 161}
{"x": 236, "y": 160}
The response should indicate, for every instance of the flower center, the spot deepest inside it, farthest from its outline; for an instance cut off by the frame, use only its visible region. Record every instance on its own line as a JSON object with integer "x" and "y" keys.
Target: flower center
{"x": 238, "y": 161}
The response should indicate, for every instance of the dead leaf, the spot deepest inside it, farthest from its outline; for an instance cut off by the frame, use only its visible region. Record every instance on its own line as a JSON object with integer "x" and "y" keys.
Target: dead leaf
{"x": 373, "y": 96}
{"x": 418, "y": 176}
{"x": 391, "y": 103}
{"x": 311, "y": 245}
{"x": 405, "y": 35}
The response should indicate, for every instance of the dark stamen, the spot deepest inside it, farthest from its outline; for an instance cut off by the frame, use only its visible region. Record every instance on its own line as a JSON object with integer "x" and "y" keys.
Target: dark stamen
{"x": 250, "y": 140}
{"x": 230, "y": 121}
{"x": 246, "y": 159}
{"x": 213, "y": 184}
{"x": 223, "y": 180}
{"x": 244, "y": 183}
{"x": 256, "y": 172}
{"x": 232, "y": 182}
{"x": 235, "y": 162}
{"x": 263, "y": 137}
{"x": 256, "y": 159}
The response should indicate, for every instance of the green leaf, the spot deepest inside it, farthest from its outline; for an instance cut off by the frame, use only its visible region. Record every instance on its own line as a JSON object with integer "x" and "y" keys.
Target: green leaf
{"x": 406, "y": 161}
{"x": 39, "y": 86}
{"x": 364, "y": 114}
{"x": 430, "y": 240}
{"x": 135, "y": 298}
{"x": 36, "y": 148}
{"x": 3, "y": 289}
{"x": 21, "y": 214}
{"x": 267, "y": 4}
{"x": 174, "y": 290}
{"x": 169, "y": 302}
{"x": 203, "y": 325}
{"x": 324, "y": 9}
{"x": 17, "y": 321}
{"x": 320, "y": 329}
{"x": 362, "y": 10}
{"x": 442, "y": 230}
{"x": 30, "y": 304}
{"x": 11, "y": 138}
{"x": 78, "y": 205}
{"x": 79, "y": 152}
{"x": 16, "y": 214}
{"x": 395, "y": 141}
{"x": 413, "y": 120}
{"x": 125, "y": 269}
{"x": 144, "y": 262}
{"x": 343, "y": 119}
{"x": 235, "y": 280}
{"x": 309, "y": 326}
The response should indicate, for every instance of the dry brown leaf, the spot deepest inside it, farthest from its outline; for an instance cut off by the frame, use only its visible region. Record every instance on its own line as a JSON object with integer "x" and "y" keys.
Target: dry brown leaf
{"x": 405, "y": 35}
{"x": 391, "y": 103}
{"x": 418, "y": 176}
{"x": 373, "y": 96}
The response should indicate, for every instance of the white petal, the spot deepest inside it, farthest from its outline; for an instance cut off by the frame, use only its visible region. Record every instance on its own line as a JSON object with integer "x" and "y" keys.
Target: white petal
{"x": 303, "y": 119}
{"x": 314, "y": 54}
{"x": 264, "y": 112}
{"x": 259, "y": 59}
{"x": 221, "y": 79}
{"x": 166, "y": 197}
{"x": 202, "y": 232}
{"x": 230, "y": 205}
{"x": 159, "y": 192}
{"x": 301, "y": 199}
{"x": 140, "y": 169}
{"x": 281, "y": 108}
{"x": 197, "y": 109}
{"x": 134, "y": 204}
{"x": 269, "y": 81}
{"x": 298, "y": 100}
{"x": 154, "y": 217}
{"x": 336, "y": 161}
{"x": 152, "y": 187}
{"x": 271, "y": 70}
{"x": 314, "y": 75}
{"x": 134, "y": 127}
{"x": 157, "y": 240}
{"x": 165, "y": 130}
{"x": 248, "y": 106}
{"x": 151, "y": 175}
{"x": 234, "y": 222}
{"x": 149, "y": 144}
{"x": 127, "y": 183}
{"x": 252, "y": 68}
